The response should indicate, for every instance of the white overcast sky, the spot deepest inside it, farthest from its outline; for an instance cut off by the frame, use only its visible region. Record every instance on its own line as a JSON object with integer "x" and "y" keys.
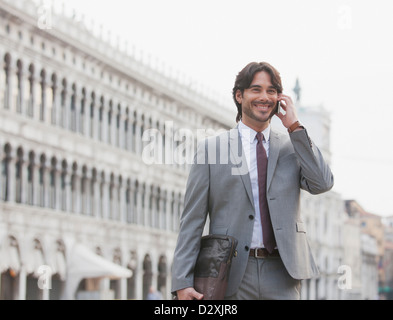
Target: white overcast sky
{"x": 341, "y": 50}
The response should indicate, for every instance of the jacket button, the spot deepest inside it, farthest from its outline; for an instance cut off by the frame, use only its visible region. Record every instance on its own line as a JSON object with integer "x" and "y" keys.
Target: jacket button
{"x": 251, "y": 217}
{"x": 246, "y": 248}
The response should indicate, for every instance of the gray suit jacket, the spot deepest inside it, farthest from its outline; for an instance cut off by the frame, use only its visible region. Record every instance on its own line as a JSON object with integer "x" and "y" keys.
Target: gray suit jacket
{"x": 219, "y": 186}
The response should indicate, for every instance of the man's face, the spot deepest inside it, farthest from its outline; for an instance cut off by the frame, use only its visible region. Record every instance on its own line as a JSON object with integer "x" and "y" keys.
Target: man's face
{"x": 258, "y": 102}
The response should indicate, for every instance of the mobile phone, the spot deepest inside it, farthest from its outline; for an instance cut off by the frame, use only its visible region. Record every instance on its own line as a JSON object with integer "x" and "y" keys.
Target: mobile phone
{"x": 278, "y": 109}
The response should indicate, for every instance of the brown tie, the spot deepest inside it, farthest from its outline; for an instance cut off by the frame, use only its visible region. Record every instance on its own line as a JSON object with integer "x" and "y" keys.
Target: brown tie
{"x": 268, "y": 235}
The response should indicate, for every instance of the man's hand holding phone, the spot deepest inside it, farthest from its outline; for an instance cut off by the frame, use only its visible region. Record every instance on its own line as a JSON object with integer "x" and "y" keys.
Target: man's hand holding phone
{"x": 286, "y": 104}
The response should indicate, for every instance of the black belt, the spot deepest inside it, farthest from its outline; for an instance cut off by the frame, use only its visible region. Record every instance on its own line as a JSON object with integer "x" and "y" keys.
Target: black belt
{"x": 263, "y": 253}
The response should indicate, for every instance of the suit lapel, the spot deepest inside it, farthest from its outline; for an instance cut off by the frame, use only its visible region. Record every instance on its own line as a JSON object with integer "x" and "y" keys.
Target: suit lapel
{"x": 274, "y": 150}
{"x": 236, "y": 147}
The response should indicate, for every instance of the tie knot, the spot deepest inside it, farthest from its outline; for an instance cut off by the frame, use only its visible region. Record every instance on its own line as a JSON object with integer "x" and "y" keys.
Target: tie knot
{"x": 259, "y": 136}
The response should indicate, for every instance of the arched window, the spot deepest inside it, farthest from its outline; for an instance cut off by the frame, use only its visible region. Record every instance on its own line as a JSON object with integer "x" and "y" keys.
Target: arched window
{"x": 7, "y": 78}
{"x": 64, "y": 182}
{"x": 73, "y": 112}
{"x": 53, "y": 184}
{"x": 118, "y": 133}
{"x": 63, "y": 102}
{"x": 112, "y": 197}
{"x": 164, "y": 209}
{"x": 126, "y": 131}
{"x": 54, "y": 110}
{"x": 137, "y": 209}
{"x": 173, "y": 212}
{"x": 93, "y": 124}
{"x": 142, "y": 192}
{"x": 110, "y": 135}
{"x": 43, "y": 96}
{"x": 5, "y": 172}
{"x": 93, "y": 193}
{"x": 131, "y": 282}
{"x": 31, "y": 100}
{"x": 102, "y": 196}
{"x": 74, "y": 188}
{"x": 85, "y": 192}
{"x": 19, "y": 77}
{"x": 134, "y": 132}
{"x": 128, "y": 199}
{"x": 162, "y": 275}
{"x": 30, "y": 179}
{"x": 83, "y": 113}
{"x": 101, "y": 120}
{"x": 19, "y": 176}
{"x": 147, "y": 275}
{"x": 42, "y": 181}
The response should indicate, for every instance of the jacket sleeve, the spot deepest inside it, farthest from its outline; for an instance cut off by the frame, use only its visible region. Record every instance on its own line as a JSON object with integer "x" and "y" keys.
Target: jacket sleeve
{"x": 316, "y": 176}
{"x": 192, "y": 222}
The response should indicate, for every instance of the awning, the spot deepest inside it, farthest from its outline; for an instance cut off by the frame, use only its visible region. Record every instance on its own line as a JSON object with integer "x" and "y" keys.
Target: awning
{"x": 83, "y": 263}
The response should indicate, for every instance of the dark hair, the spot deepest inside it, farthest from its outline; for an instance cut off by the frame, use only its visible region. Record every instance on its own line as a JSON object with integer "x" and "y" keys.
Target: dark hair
{"x": 245, "y": 77}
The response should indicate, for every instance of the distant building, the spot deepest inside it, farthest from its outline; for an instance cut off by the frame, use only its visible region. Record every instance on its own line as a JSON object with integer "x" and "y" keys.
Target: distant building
{"x": 386, "y": 290}
{"x": 372, "y": 247}
{"x": 386, "y": 287}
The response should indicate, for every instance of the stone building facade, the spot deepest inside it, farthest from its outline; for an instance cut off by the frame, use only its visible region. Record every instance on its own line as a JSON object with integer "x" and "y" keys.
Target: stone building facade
{"x": 95, "y": 150}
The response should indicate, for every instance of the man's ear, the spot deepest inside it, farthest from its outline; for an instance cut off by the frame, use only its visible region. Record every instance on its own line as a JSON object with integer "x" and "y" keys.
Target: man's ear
{"x": 239, "y": 96}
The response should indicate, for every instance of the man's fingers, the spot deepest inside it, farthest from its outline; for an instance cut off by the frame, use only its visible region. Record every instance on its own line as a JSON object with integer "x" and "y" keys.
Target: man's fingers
{"x": 198, "y": 295}
{"x": 189, "y": 294}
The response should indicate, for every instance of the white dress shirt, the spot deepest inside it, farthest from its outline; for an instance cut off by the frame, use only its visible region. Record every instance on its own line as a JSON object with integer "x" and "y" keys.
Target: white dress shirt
{"x": 249, "y": 143}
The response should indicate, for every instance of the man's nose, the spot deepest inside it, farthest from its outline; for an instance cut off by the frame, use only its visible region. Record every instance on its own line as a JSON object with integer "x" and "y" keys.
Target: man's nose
{"x": 263, "y": 96}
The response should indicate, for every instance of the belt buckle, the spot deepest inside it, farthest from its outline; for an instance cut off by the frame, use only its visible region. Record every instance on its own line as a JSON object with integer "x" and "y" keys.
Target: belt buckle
{"x": 259, "y": 256}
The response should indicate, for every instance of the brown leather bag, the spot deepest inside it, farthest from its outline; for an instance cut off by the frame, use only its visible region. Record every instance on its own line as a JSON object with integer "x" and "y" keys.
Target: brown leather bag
{"x": 213, "y": 265}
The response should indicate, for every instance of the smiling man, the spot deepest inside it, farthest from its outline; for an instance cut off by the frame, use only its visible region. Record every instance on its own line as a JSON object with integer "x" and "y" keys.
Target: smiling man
{"x": 259, "y": 207}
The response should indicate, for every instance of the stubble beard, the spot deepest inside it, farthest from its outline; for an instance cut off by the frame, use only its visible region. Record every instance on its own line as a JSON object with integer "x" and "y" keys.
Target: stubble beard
{"x": 263, "y": 118}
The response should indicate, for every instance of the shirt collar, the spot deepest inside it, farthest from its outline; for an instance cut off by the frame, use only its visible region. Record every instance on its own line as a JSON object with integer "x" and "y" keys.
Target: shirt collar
{"x": 249, "y": 134}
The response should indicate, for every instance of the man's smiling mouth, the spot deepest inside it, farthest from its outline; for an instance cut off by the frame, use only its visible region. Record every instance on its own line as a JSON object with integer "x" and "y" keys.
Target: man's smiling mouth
{"x": 262, "y": 106}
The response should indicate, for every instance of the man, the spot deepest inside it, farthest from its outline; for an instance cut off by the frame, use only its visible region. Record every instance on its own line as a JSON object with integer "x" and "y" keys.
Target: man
{"x": 254, "y": 196}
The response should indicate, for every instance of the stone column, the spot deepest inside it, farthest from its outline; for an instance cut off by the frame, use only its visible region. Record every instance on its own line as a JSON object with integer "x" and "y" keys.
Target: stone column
{"x": 22, "y": 283}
